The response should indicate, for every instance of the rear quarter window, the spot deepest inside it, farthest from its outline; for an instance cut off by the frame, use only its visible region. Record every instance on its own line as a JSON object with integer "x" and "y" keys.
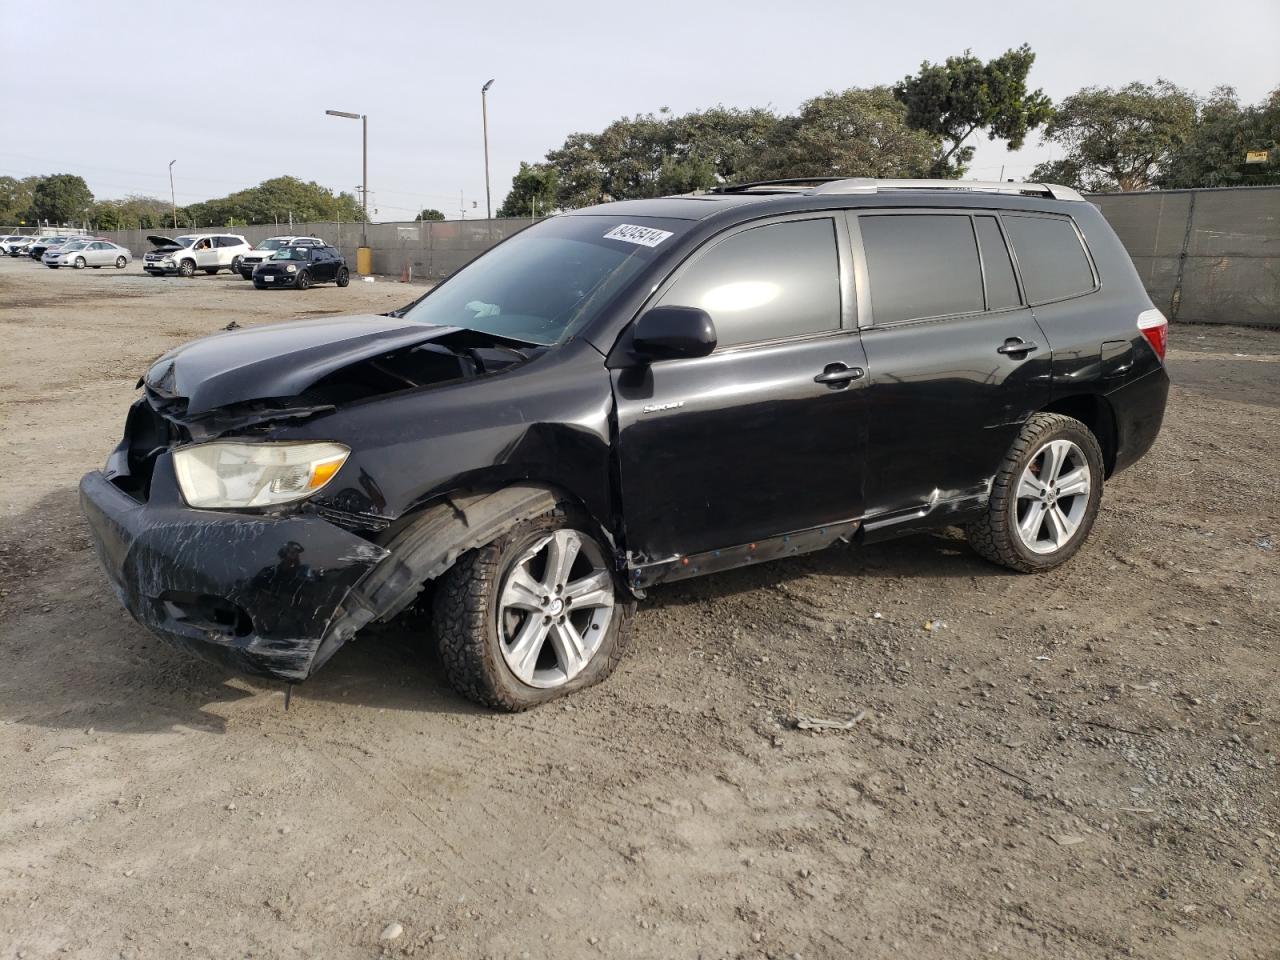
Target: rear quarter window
{"x": 1051, "y": 257}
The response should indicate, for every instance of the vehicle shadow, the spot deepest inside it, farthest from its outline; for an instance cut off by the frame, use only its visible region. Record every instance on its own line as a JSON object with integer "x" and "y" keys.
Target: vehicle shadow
{"x": 75, "y": 660}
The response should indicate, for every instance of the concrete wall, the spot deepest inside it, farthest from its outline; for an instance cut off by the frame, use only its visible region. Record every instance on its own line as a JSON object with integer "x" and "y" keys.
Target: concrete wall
{"x": 429, "y": 250}
{"x": 1205, "y": 256}
{"x": 1209, "y": 256}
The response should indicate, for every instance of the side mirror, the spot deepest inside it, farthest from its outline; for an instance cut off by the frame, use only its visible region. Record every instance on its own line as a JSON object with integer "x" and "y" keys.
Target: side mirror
{"x": 667, "y": 333}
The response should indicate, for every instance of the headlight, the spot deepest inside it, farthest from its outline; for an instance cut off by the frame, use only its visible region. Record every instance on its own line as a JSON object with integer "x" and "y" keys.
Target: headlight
{"x": 291, "y": 269}
{"x": 229, "y": 474}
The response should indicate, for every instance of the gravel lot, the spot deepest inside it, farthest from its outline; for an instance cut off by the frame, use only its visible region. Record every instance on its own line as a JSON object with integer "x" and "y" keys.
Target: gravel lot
{"x": 1079, "y": 765}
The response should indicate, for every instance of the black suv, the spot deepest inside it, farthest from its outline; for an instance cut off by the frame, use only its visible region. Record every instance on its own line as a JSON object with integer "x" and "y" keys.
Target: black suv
{"x": 627, "y": 395}
{"x": 302, "y": 266}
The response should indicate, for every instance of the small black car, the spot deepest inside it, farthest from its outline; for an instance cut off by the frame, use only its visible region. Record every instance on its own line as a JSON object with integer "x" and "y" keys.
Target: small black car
{"x": 625, "y": 396}
{"x": 301, "y": 266}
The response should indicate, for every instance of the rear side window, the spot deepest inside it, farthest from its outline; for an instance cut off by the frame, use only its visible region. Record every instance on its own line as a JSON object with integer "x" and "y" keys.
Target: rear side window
{"x": 768, "y": 283}
{"x": 1051, "y": 257}
{"x": 1002, "y": 288}
{"x": 921, "y": 265}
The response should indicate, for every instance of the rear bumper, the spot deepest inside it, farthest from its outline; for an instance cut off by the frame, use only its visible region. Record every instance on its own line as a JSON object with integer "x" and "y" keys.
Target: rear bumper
{"x": 265, "y": 595}
{"x": 1139, "y": 410}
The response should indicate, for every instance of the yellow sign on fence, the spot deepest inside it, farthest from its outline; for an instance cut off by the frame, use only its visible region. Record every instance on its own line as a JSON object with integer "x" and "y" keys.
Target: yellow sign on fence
{"x": 1257, "y": 156}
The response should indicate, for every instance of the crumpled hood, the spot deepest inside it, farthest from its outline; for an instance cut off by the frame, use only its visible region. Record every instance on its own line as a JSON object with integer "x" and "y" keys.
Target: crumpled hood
{"x": 277, "y": 361}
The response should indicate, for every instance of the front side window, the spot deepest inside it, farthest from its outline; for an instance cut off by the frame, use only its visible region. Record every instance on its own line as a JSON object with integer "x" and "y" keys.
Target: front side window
{"x": 550, "y": 280}
{"x": 1050, "y": 255}
{"x": 921, "y": 265}
{"x": 773, "y": 282}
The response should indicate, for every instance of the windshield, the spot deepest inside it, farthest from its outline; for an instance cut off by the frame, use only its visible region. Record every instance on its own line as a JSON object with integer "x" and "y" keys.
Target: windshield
{"x": 292, "y": 253}
{"x": 549, "y": 281}
{"x": 184, "y": 241}
{"x": 273, "y": 244}
{"x": 74, "y": 245}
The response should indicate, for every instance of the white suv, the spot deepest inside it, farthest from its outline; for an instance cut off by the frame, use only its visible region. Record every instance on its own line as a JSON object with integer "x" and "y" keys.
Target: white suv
{"x": 185, "y": 255}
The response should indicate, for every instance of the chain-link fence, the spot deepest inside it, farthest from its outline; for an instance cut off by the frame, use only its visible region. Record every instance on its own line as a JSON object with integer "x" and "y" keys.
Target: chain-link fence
{"x": 430, "y": 249}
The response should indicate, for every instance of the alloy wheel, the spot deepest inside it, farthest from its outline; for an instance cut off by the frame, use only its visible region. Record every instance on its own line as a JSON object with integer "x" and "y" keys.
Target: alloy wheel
{"x": 554, "y": 609}
{"x": 1053, "y": 497}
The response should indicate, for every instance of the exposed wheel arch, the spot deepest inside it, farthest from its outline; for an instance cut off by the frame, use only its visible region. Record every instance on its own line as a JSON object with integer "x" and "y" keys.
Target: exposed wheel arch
{"x": 1096, "y": 413}
{"x": 428, "y": 541}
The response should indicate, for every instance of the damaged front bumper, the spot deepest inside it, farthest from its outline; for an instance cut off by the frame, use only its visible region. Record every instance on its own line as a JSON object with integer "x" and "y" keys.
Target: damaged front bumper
{"x": 270, "y": 595}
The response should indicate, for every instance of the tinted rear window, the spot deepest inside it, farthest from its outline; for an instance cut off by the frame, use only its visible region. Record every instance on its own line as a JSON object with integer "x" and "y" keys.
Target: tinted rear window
{"x": 1002, "y": 289}
{"x": 1050, "y": 257}
{"x": 921, "y": 265}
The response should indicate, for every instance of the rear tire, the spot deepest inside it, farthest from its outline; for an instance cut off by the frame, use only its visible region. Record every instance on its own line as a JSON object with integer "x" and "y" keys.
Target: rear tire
{"x": 1034, "y": 520}
{"x": 235, "y": 263}
{"x": 486, "y": 620}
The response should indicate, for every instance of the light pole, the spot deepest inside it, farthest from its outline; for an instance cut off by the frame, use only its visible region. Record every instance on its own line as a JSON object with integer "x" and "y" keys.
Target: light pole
{"x": 173, "y": 197}
{"x": 484, "y": 114}
{"x": 364, "y": 192}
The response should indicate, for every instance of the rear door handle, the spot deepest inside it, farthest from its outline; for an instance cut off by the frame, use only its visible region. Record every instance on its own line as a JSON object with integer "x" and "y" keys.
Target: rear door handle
{"x": 1016, "y": 345}
{"x": 838, "y": 375}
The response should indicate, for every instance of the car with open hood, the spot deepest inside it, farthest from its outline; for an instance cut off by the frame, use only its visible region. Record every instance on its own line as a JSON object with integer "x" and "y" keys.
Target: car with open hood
{"x": 263, "y": 250}
{"x": 302, "y": 266}
{"x": 184, "y": 255}
{"x": 626, "y": 396}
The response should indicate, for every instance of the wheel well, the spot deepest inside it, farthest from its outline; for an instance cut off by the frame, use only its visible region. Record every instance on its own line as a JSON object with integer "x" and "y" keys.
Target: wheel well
{"x": 1094, "y": 412}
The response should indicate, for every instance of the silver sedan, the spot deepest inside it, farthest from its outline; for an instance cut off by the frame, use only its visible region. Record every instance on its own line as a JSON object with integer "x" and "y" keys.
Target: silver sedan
{"x": 89, "y": 253}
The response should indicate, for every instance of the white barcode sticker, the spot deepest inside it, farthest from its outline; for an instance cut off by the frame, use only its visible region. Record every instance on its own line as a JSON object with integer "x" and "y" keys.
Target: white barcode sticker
{"x": 644, "y": 236}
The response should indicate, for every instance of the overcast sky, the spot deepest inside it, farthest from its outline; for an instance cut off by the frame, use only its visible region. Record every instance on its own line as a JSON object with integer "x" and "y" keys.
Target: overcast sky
{"x": 236, "y": 92}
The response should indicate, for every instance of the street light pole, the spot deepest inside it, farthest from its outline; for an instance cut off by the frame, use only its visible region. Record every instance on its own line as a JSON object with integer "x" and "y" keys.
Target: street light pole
{"x": 364, "y": 191}
{"x": 484, "y": 114}
{"x": 173, "y": 197}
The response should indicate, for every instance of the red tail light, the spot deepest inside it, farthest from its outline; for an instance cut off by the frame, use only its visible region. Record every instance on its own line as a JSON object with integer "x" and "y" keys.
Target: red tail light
{"x": 1155, "y": 328}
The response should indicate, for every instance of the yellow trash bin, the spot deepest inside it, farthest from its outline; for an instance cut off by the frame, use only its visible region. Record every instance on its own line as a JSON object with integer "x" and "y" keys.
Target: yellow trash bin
{"x": 364, "y": 261}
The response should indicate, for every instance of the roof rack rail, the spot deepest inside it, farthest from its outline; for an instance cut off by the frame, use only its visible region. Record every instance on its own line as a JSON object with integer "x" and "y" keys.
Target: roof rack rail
{"x": 847, "y": 185}
{"x": 868, "y": 185}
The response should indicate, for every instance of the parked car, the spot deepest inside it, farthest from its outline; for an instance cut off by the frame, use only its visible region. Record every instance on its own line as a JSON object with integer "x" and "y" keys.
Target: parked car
{"x": 16, "y": 246}
{"x": 302, "y": 267}
{"x": 263, "y": 251}
{"x": 88, "y": 253}
{"x": 50, "y": 258}
{"x": 36, "y": 249}
{"x": 625, "y": 396}
{"x": 188, "y": 253}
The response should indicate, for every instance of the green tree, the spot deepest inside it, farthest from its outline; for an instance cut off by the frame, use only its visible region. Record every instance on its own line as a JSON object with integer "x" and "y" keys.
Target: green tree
{"x": 1214, "y": 153}
{"x": 855, "y": 133}
{"x": 955, "y": 99}
{"x": 1118, "y": 139}
{"x": 61, "y": 198}
{"x": 430, "y": 213}
{"x": 275, "y": 200}
{"x": 133, "y": 212}
{"x": 533, "y": 191}
{"x": 15, "y": 199}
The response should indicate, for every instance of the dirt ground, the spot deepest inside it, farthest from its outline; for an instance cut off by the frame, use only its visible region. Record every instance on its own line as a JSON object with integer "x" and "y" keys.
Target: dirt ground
{"x": 1079, "y": 765}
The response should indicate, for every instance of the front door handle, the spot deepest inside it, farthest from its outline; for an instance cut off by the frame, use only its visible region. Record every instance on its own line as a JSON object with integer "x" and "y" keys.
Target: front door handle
{"x": 838, "y": 375}
{"x": 1015, "y": 346}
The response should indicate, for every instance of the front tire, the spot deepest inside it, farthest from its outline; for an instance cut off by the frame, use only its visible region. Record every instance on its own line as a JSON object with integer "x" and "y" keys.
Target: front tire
{"x": 187, "y": 269}
{"x": 259, "y": 284}
{"x": 532, "y": 616}
{"x": 121, "y": 263}
{"x": 344, "y": 277}
{"x": 79, "y": 263}
{"x": 1045, "y": 497}
{"x": 304, "y": 280}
